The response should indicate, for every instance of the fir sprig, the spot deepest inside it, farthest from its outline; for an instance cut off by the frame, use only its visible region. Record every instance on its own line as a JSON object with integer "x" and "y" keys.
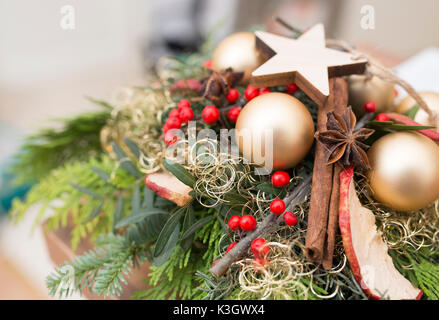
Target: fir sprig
{"x": 77, "y": 139}
{"x": 101, "y": 271}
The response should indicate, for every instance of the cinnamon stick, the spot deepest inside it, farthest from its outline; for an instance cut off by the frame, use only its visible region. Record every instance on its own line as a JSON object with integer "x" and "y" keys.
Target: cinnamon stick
{"x": 322, "y": 184}
{"x": 341, "y": 103}
{"x": 331, "y": 233}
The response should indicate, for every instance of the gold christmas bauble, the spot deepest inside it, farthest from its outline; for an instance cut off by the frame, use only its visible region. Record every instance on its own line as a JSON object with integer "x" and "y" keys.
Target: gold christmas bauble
{"x": 289, "y": 121}
{"x": 238, "y": 51}
{"x": 363, "y": 89}
{"x": 405, "y": 171}
{"x": 432, "y": 101}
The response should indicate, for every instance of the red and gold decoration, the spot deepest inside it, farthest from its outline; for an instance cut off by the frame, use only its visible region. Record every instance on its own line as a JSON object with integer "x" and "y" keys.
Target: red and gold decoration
{"x": 349, "y": 211}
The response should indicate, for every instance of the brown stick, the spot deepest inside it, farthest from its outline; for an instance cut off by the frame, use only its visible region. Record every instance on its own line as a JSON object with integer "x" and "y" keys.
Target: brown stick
{"x": 340, "y": 105}
{"x": 328, "y": 252}
{"x": 322, "y": 178}
{"x": 292, "y": 200}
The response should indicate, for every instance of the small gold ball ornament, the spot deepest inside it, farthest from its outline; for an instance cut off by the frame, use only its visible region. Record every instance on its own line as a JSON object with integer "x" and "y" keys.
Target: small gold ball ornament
{"x": 363, "y": 89}
{"x": 289, "y": 121}
{"x": 405, "y": 171}
{"x": 238, "y": 51}
{"x": 432, "y": 101}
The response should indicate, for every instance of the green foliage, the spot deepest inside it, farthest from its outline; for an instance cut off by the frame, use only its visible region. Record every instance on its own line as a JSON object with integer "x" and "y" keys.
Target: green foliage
{"x": 77, "y": 193}
{"x": 411, "y": 113}
{"x": 177, "y": 278}
{"x": 101, "y": 271}
{"x": 179, "y": 172}
{"x": 78, "y": 139}
{"x": 423, "y": 272}
{"x": 427, "y": 276}
{"x": 391, "y": 126}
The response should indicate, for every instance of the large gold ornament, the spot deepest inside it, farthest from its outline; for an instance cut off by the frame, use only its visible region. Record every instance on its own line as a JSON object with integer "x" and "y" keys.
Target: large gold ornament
{"x": 238, "y": 51}
{"x": 432, "y": 101}
{"x": 405, "y": 171}
{"x": 363, "y": 89}
{"x": 289, "y": 121}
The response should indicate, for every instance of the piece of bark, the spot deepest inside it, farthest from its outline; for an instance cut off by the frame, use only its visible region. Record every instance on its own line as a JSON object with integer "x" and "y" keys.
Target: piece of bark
{"x": 169, "y": 187}
{"x": 322, "y": 179}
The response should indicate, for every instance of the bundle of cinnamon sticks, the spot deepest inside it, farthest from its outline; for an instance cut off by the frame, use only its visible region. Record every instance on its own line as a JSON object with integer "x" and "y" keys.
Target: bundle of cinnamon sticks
{"x": 325, "y": 194}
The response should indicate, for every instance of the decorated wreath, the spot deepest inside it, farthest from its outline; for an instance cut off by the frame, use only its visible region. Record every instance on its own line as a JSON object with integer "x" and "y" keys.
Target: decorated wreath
{"x": 268, "y": 167}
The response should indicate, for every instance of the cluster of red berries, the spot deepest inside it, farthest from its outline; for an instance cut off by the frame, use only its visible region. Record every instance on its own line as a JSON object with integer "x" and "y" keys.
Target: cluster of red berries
{"x": 260, "y": 250}
{"x": 371, "y": 107}
{"x": 245, "y": 223}
{"x": 176, "y": 118}
{"x": 277, "y": 206}
{"x": 210, "y": 114}
{"x": 250, "y": 92}
{"x": 280, "y": 179}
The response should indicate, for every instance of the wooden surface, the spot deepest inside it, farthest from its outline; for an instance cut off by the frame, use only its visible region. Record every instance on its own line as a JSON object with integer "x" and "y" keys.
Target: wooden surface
{"x": 58, "y": 244}
{"x": 305, "y": 61}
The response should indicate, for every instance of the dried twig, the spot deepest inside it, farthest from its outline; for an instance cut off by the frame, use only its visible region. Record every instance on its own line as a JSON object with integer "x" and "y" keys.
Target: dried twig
{"x": 297, "y": 196}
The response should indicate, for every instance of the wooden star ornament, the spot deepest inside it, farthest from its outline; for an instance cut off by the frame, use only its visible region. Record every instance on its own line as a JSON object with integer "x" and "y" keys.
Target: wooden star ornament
{"x": 305, "y": 61}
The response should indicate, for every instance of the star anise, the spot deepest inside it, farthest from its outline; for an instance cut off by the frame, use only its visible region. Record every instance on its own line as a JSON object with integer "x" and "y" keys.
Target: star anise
{"x": 218, "y": 84}
{"x": 343, "y": 142}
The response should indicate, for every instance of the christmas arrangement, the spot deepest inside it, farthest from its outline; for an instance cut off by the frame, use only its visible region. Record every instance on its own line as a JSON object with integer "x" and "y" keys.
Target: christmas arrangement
{"x": 318, "y": 187}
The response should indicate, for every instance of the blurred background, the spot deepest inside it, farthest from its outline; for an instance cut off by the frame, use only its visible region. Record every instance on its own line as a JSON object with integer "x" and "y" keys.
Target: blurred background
{"x": 50, "y": 59}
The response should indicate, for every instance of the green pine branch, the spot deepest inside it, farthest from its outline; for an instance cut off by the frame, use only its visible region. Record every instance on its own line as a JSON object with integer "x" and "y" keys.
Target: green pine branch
{"x": 101, "y": 271}
{"x": 77, "y": 139}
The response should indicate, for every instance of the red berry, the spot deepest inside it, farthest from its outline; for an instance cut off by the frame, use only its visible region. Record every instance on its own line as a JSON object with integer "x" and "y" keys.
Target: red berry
{"x": 382, "y": 117}
{"x": 234, "y": 223}
{"x": 259, "y": 263}
{"x": 210, "y": 114}
{"x": 170, "y": 137}
{"x": 186, "y": 114}
{"x": 233, "y": 114}
{"x": 232, "y": 95}
{"x": 174, "y": 113}
{"x": 165, "y": 128}
{"x": 292, "y": 88}
{"x": 173, "y": 123}
{"x": 290, "y": 218}
{"x": 280, "y": 179}
{"x": 370, "y": 106}
{"x": 231, "y": 246}
{"x": 251, "y": 93}
{"x": 277, "y": 206}
{"x": 184, "y": 104}
{"x": 264, "y": 90}
{"x": 207, "y": 64}
{"x": 248, "y": 223}
{"x": 259, "y": 247}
